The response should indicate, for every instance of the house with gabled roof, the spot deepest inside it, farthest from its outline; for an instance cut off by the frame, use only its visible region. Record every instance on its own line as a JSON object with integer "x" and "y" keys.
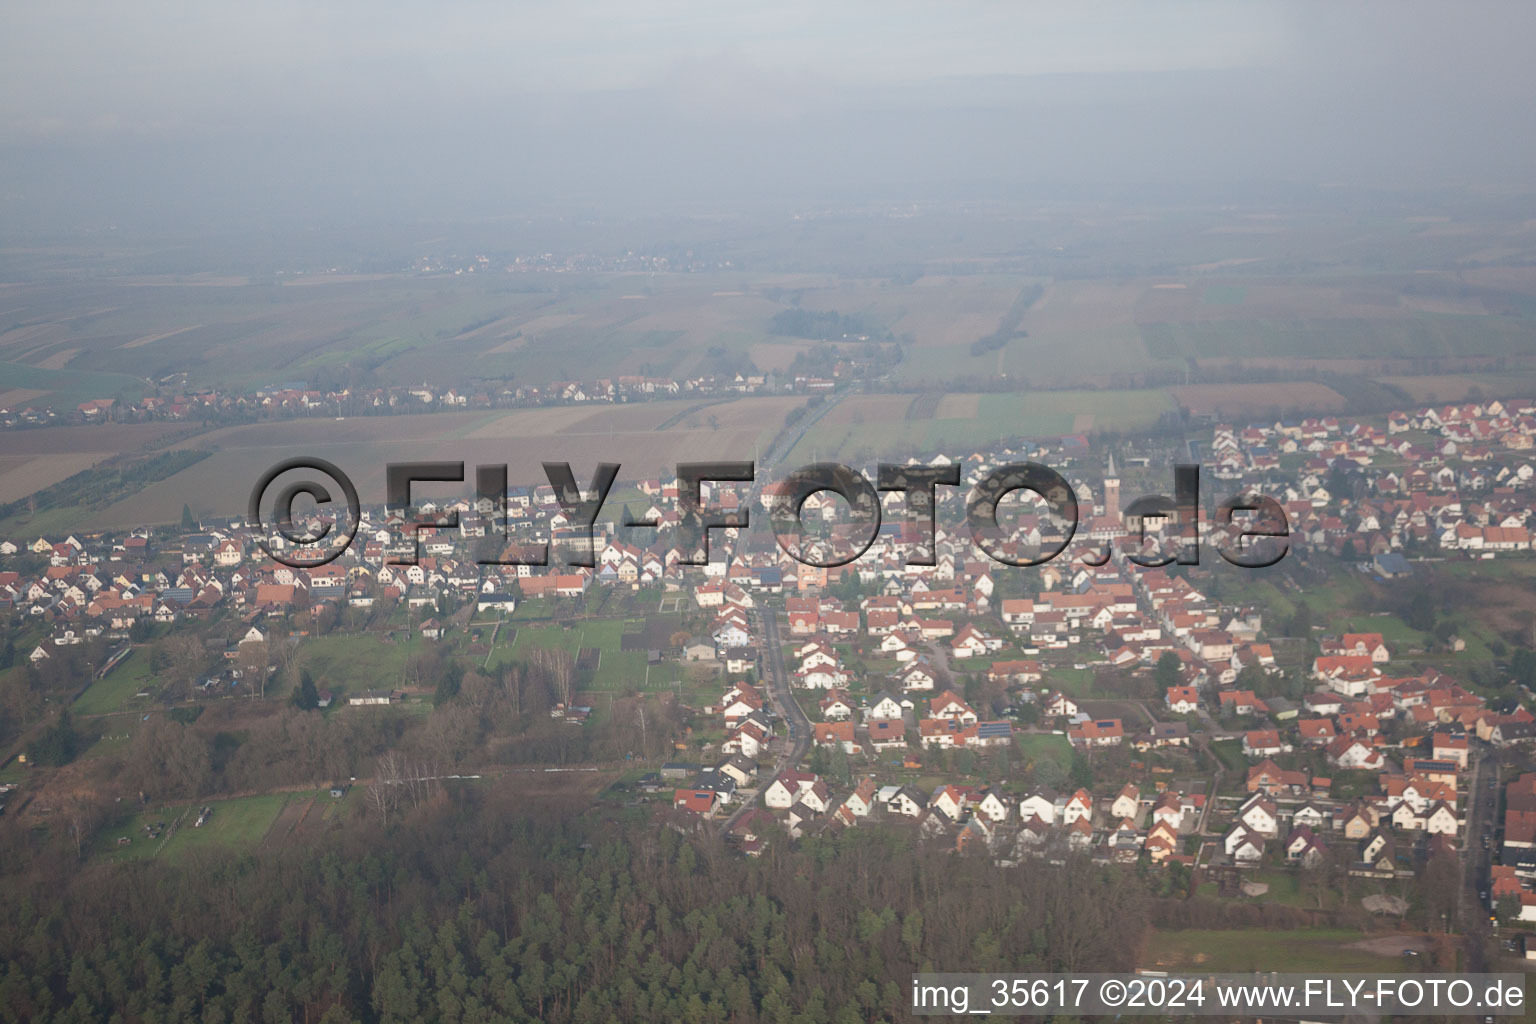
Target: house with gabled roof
{"x": 887, "y": 733}
{"x": 1127, "y": 803}
{"x": 1243, "y": 845}
{"x": 1104, "y": 732}
{"x": 1040, "y": 804}
{"x": 1078, "y": 805}
{"x": 948, "y": 706}
{"x": 907, "y": 801}
{"x": 783, "y": 791}
{"x": 696, "y": 801}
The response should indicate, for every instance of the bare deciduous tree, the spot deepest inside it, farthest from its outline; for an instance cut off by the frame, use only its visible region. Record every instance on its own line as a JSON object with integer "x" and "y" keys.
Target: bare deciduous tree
{"x": 557, "y": 670}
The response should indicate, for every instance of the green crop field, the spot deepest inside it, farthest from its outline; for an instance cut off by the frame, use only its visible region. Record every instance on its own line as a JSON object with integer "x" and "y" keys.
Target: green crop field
{"x": 65, "y": 389}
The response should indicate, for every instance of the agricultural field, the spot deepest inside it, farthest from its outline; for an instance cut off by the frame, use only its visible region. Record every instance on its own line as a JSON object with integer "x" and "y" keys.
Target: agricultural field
{"x": 237, "y": 332}
{"x": 62, "y": 388}
{"x": 36, "y": 459}
{"x": 1273, "y": 400}
{"x": 1441, "y": 388}
{"x": 869, "y": 428}
{"x": 646, "y": 440}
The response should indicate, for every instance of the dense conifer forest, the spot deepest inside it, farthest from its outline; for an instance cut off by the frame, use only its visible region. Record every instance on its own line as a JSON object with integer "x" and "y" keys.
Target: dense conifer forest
{"x": 484, "y": 907}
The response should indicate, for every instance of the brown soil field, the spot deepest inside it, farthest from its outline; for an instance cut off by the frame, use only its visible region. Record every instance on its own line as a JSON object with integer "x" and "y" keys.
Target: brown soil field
{"x": 1085, "y": 306}
{"x": 287, "y": 820}
{"x": 524, "y": 422}
{"x": 17, "y": 398}
{"x": 1233, "y": 399}
{"x": 868, "y": 409}
{"x": 775, "y": 355}
{"x": 924, "y": 406}
{"x": 523, "y": 330}
{"x": 944, "y": 311}
{"x": 103, "y": 438}
{"x": 58, "y": 360}
{"x": 523, "y": 440}
{"x": 958, "y": 407}
{"x": 21, "y": 475}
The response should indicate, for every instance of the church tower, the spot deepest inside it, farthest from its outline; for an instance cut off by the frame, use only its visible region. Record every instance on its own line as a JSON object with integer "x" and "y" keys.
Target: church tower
{"x": 1112, "y": 491}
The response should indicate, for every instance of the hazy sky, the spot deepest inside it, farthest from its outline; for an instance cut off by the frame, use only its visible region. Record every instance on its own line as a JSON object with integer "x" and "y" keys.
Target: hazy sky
{"x": 286, "y": 107}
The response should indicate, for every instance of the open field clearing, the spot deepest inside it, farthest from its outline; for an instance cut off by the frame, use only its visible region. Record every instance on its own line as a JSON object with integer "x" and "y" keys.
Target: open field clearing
{"x": 1456, "y": 387}
{"x": 1225, "y": 301}
{"x": 1267, "y": 950}
{"x": 19, "y": 398}
{"x": 22, "y": 475}
{"x": 1257, "y": 399}
{"x": 149, "y": 339}
{"x": 117, "y": 688}
{"x": 1038, "y": 747}
{"x": 105, "y": 438}
{"x": 958, "y": 407}
{"x": 857, "y": 410}
{"x": 359, "y": 661}
{"x": 607, "y": 668}
{"x": 66, "y": 388}
{"x": 1307, "y": 335}
{"x": 58, "y": 359}
{"x": 240, "y": 824}
{"x": 862, "y": 428}
{"x": 362, "y": 447}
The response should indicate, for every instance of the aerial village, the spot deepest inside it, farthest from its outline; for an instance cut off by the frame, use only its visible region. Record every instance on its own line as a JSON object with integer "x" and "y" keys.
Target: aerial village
{"x": 1209, "y": 716}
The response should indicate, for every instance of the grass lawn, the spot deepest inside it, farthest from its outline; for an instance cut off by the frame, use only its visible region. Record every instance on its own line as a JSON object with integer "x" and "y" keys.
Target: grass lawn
{"x": 1074, "y": 682}
{"x": 617, "y": 670}
{"x": 359, "y": 661}
{"x": 1313, "y": 949}
{"x": 1231, "y": 754}
{"x": 1285, "y": 886}
{"x": 240, "y": 823}
{"x": 116, "y": 688}
{"x": 1398, "y": 635}
{"x": 1045, "y": 746}
{"x": 533, "y": 608}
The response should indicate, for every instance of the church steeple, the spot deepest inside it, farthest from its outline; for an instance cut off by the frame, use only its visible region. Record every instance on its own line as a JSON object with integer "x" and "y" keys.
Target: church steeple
{"x": 1111, "y": 491}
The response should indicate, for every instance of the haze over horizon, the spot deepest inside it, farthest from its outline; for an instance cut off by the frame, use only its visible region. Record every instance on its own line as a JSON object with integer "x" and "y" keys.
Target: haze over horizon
{"x": 220, "y": 117}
